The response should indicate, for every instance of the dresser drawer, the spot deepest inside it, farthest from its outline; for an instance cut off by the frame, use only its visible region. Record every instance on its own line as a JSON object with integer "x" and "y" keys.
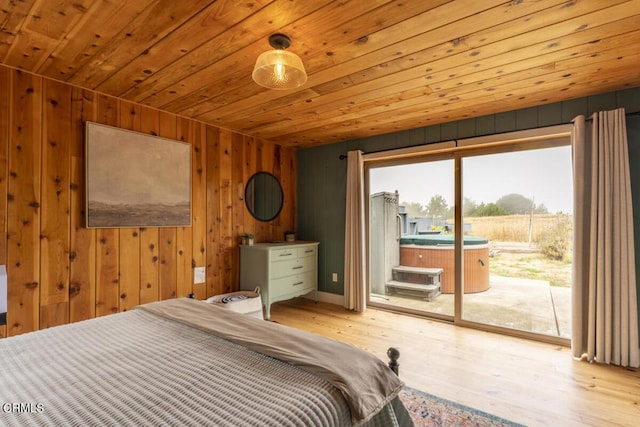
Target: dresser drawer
{"x": 292, "y": 266}
{"x": 286, "y": 253}
{"x": 308, "y": 251}
{"x": 297, "y": 284}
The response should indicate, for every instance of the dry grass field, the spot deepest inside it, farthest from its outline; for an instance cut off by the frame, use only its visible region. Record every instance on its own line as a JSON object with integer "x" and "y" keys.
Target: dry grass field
{"x": 532, "y": 265}
{"x": 516, "y": 256}
{"x": 515, "y": 228}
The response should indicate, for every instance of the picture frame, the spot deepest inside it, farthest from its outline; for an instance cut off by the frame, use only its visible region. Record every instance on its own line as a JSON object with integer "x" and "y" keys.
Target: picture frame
{"x": 134, "y": 179}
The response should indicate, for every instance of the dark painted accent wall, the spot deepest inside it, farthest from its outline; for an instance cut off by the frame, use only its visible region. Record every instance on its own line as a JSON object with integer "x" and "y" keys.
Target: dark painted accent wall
{"x": 322, "y": 175}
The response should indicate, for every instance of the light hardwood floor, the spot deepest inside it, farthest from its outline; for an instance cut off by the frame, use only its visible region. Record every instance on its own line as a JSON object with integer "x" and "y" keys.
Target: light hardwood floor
{"x": 529, "y": 382}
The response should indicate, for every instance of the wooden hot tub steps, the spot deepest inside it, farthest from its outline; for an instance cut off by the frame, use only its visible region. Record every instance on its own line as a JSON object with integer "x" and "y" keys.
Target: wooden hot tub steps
{"x": 428, "y": 292}
{"x": 415, "y": 281}
{"x": 421, "y": 275}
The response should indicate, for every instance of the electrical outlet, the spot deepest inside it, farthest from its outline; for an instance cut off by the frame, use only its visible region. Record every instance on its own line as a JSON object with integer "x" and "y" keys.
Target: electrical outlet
{"x": 334, "y": 277}
{"x": 199, "y": 275}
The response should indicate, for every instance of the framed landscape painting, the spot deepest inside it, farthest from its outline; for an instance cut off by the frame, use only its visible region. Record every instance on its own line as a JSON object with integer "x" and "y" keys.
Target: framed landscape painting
{"x": 135, "y": 180}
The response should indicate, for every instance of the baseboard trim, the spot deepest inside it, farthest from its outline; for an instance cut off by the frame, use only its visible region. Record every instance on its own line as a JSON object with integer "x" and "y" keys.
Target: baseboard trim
{"x": 328, "y": 297}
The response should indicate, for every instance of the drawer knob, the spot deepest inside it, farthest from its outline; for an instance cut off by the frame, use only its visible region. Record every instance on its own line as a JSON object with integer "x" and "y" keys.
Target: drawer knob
{"x": 297, "y": 267}
{"x": 298, "y": 283}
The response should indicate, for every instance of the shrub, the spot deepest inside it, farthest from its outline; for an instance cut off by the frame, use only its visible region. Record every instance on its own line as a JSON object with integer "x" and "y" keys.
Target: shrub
{"x": 555, "y": 241}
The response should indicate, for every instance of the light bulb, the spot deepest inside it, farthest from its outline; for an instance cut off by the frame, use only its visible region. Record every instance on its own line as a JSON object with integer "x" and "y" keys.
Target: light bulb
{"x": 279, "y": 72}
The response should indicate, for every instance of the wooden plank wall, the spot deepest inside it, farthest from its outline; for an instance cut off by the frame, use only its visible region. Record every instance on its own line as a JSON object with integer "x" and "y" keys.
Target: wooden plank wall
{"x": 61, "y": 272}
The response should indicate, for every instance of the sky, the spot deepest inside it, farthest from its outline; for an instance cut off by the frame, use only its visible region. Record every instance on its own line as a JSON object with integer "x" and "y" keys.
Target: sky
{"x": 544, "y": 175}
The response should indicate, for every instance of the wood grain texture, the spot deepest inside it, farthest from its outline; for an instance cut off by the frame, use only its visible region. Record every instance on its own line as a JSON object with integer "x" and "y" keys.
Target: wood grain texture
{"x": 82, "y": 257}
{"x": 524, "y": 381}
{"x": 101, "y": 22}
{"x": 23, "y": 207}
{"x": 149, "y": 250}
{"x": 214, "y": 285}
{"x": 5, "y": 96}
{"x": 107, "y": 267}
{"x": 167, "y": 253}
{"x": 107, "y": 240}
{"x": 128, "y": 268}
{"x": 56, "y": 200}
{"x": 149, "y": 289}
{"x": 129, "y": 238}
{"x": 374, "y": 67}
{"x": 199, "y": 204}
{"x": 184, "y": 271}
{"x": 60, "y": 271}
{"x": 184, "y": 235}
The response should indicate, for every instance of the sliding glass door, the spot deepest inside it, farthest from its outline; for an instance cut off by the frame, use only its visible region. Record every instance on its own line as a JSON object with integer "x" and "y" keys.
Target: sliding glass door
{"x": 519, "y": 205}
{"x": 510, "y": 268}
{"x": 410, "y": 223}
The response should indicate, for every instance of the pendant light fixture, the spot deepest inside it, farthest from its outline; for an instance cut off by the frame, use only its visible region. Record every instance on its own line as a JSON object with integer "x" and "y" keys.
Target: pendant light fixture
{"x": 279, "y": 68}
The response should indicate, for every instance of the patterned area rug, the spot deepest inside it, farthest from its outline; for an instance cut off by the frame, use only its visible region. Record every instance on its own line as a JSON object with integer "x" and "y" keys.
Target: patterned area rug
{"x": 431, "y": 411}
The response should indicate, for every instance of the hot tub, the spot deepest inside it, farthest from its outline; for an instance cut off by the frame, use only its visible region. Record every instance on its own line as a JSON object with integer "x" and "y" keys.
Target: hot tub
{"x": 437, "y": 251}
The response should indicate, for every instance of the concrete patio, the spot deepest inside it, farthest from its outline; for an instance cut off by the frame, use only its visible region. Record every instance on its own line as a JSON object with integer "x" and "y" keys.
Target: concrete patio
{"x": 524, "y": 304}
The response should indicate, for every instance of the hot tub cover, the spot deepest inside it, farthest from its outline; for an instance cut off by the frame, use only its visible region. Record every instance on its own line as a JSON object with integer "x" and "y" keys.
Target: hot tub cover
{"x": 439, "y": 240}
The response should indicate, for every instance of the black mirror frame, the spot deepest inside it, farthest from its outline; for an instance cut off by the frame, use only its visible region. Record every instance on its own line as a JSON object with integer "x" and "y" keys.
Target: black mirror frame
{"x": 246, "y": 198}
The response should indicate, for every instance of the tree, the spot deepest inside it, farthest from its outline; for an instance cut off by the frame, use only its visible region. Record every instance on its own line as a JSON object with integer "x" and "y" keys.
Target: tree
{"x": 490, "y": 209}
{"x": 469, "y": 207}
{"x": 437, "y": 207}
{"x": 514, "y": 204}
{"x": 415, "y": 209}
{"x": 541, "y": 209}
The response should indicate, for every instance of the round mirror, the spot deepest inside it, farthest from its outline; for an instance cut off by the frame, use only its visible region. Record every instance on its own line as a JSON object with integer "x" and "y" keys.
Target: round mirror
{"x": 263, "y": 196}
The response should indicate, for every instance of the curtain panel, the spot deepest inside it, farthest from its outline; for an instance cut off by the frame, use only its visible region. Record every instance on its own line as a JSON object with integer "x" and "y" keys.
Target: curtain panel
{"x": 355, "y": 272}
{"x": 605, "y": 312}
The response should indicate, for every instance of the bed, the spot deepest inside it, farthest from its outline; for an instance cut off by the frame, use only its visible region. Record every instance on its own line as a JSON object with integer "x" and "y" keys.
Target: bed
{"x": 186, "y": 362}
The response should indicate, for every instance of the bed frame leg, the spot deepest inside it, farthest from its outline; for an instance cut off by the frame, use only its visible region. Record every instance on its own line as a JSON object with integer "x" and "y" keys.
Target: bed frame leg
{"x": 393, "y": 355}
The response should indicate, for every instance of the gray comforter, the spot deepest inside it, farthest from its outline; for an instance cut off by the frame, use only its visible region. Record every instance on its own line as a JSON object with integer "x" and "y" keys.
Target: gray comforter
{"x": 166, "y": 364}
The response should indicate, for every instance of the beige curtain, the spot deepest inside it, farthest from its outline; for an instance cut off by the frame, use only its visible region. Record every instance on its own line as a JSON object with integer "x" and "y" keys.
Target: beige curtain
{"x": 605, "y": 312}
{"x": 355, "y": 272}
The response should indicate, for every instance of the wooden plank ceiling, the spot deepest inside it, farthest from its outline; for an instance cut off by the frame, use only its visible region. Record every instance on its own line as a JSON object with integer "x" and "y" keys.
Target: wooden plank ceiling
{"x": 374, "y": 66}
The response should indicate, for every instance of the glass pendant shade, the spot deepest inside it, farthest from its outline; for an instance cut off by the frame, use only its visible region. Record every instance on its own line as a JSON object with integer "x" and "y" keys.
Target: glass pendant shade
{"x": 279, "y": 69}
